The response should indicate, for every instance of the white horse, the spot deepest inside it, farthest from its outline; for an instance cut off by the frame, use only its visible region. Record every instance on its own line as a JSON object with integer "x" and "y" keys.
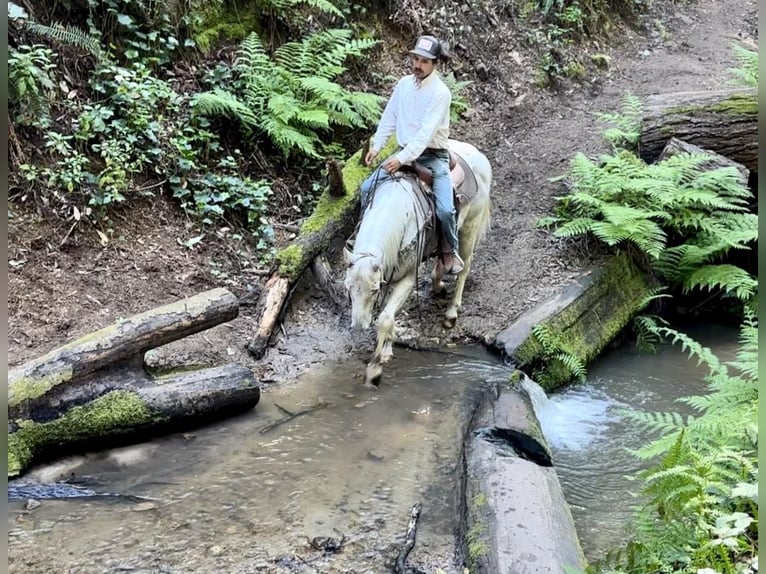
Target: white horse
{"x": 391, "y": 242}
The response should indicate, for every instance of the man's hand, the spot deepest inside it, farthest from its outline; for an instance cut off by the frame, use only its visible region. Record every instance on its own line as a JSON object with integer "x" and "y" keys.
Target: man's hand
{"x": 392, "y": 164}
{"x": 371, "y": 155}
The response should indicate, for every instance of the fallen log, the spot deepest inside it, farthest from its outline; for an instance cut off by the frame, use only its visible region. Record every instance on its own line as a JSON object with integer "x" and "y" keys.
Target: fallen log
{"x": 120, "y": 403}
{"x": 516, "y": 518}
{"x": 96, "y": 388}
{"x": 715, "y": 161}
{"x": 723, "y": 121}
{"x": 333, "y": 215}
{"x": 125, "y": 341}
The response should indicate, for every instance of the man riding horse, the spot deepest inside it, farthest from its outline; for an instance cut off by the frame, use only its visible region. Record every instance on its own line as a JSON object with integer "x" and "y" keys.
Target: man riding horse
{"x": 419, "y": 113}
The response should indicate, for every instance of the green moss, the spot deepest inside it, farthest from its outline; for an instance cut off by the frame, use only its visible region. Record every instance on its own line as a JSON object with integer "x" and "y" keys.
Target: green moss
{"x": 737, "y": 105}
{"x": 289, "y": 260}
{"x": 27, "y": 388}
{"x": 215, "y": 22}
{"x": 476, "y": 542}
{"x": 614, "y": 299}
{"x": 114, "y": 412}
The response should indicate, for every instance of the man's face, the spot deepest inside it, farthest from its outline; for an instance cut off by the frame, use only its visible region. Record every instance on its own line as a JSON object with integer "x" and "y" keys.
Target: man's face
{"x": 422, "y": 67}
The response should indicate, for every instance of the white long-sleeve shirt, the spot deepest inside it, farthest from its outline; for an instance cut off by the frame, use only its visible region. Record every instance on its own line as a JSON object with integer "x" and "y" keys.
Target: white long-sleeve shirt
{"x": 418, "y": 114}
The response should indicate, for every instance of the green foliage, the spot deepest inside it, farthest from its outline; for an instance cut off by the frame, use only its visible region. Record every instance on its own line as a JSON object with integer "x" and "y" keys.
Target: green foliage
{"x": 32, "y": 84}
{"x": 289, "y": 6}
{"x": 292, "y": 98}
{"x": 556, "y": 355}
{"x": 700, "y": 508}
{"x": 626, "y": 124}
{"x": 646, "y": 326}
{"x": 70, "y": 36}
{"x": 679, "y": 217}
{"x": 459, "y": 103}
{"x": 747, "y": 73}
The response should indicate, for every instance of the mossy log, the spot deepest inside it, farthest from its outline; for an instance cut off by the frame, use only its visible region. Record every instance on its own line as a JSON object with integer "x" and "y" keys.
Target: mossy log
{"x": 715, "y": 161}
{"x": 95, "y": 389}
{"x": 723, "y": 121}
{"x": 580, "y": 321}
{"x": 121, "y": 405}
{"x": 125, "y": 341}
{"x": 334, "y": 215}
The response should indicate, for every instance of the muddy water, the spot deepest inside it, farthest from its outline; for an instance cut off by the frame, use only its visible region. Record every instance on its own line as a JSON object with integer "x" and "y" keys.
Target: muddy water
{"x": 590, "y": 438}
{"x": 229, "y": 498}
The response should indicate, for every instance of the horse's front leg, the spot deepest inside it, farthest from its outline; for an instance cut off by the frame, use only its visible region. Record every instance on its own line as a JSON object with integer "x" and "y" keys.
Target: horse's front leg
{"x": 466, "y": 254}
{"x": 384, "y": 350}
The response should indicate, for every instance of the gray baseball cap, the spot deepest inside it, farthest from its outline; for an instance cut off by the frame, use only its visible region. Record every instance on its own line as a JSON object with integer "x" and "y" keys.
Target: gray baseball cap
{"x": 427, "y": 47}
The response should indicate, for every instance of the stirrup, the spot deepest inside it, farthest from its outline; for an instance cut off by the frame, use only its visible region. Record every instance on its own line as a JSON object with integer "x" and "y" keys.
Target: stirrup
{"x": 457, "y": 264}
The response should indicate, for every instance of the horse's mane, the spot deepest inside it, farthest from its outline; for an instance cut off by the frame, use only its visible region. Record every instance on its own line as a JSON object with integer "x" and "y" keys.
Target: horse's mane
{"x": 385, "y": 230}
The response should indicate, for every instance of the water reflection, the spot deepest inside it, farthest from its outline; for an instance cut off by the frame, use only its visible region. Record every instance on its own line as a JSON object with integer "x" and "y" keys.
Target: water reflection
{"x": 229, "y": 498}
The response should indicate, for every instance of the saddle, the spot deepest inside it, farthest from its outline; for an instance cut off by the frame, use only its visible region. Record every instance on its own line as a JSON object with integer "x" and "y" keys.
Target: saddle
{"x": 464, "y": 189}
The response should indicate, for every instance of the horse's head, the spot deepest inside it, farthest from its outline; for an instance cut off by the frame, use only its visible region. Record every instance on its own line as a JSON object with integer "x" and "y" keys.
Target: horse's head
{"x": 364, "y": 279}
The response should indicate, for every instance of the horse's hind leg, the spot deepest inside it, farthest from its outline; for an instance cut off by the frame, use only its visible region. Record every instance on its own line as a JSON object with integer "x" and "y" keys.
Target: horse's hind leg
{"x": 384, "y": 350}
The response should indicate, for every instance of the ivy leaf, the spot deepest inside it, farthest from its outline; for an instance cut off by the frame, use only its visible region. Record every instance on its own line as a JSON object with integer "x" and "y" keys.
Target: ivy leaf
{"x": 125, "y": 20}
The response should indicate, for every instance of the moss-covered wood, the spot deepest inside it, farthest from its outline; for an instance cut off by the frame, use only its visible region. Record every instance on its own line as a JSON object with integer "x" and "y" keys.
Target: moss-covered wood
{"x": 123, "y": 342}
{"x": 122, "y": 402}
{"x": 96, "y": 388}
{"x": 334, "y": 215}
{"x": 723, "y": 121}
{"x": 581, "y": 320}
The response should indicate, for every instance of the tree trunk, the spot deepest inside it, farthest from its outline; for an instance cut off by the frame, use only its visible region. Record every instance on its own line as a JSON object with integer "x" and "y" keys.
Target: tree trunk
{"x": 676, "y": 146}
{"x": 96, "y": 388}
{"x": 333, "y": 215}
{"x": 122, "y": 403}
{"x": 723, "y": 121}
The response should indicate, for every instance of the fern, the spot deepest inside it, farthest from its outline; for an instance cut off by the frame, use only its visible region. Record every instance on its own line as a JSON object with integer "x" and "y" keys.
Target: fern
{"x": 291, "y": 97}
{"x": 747, "y": 74}
{"x": 553, "y": 351}
{"x": 287, "y": 6}
{"x": 627, "y": 123}
{"x": 705, "y": 472}
{"x": 71, "y": 36}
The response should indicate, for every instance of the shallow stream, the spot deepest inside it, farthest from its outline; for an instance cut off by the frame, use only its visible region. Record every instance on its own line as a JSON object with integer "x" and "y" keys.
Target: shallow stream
{"x": 331, "y": 490}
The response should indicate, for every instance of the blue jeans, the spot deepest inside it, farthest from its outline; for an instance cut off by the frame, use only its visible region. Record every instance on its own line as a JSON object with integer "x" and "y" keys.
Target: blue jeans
{"x": 438, "y": 163}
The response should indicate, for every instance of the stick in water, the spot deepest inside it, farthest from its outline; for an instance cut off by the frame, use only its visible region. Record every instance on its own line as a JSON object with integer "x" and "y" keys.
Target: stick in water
{"x": 409, "y": 539}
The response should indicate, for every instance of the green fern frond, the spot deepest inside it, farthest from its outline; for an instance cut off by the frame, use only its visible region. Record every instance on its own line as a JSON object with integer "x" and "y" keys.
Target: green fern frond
{"x": 729, "y": 278}
{"x": 573, "y": 364}
{"x": 747, "y": 73}
{"x": 575, "y": 228}
{"x": 288, "y": 139}
{"x": 316, "y": 118}
{"x": 747, "y": 355}
{"x": 282, "y": 7}
{"x": 220, "y": 102}
{"x": 71, "y": 36}
{"x": 693, "y": 348}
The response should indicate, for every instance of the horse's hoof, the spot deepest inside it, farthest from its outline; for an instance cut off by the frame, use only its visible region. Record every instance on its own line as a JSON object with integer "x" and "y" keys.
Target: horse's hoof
{"x": 449, "y": 323}
{"x": 372, "y": 376}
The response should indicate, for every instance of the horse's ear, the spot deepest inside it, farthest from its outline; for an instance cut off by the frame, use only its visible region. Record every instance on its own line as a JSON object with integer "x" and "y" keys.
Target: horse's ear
{"x": 347, "y": 257}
